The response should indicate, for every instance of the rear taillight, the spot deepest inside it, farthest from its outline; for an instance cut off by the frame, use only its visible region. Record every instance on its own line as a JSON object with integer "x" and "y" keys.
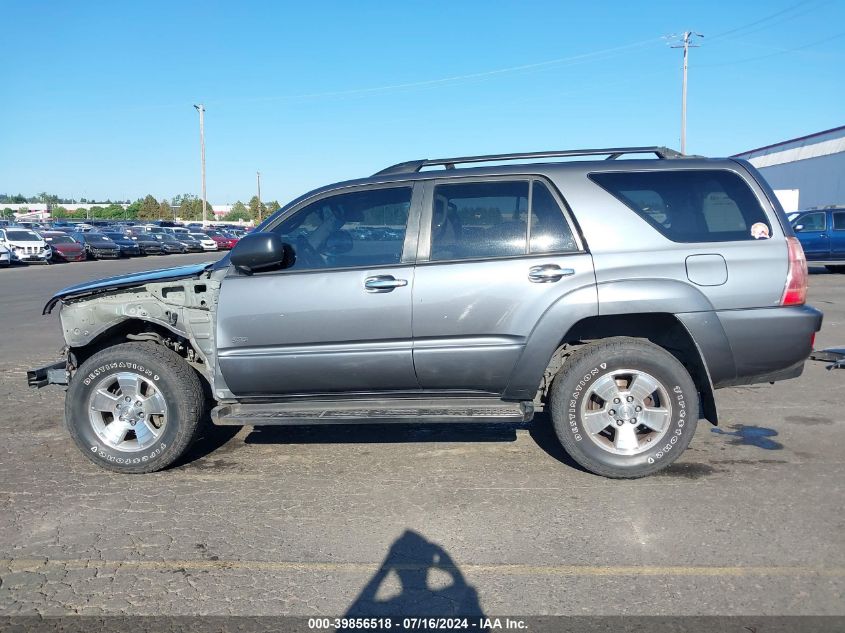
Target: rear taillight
{"x": 795, "y": 291}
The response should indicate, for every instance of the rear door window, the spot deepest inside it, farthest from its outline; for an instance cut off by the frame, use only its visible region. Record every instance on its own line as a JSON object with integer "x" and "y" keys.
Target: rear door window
{"x": 500, "y": 218}
{"x": 839, "y": 221}
{"x": 690, "y": 205}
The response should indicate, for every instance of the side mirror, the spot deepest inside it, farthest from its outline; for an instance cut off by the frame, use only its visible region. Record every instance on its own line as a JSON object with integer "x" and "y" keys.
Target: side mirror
{"x": 798, "y": 227}
{"x": 257, "y": 252}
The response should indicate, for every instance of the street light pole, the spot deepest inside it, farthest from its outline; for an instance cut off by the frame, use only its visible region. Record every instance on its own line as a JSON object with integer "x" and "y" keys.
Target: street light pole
{"x": 258, "y": 178}
{"x": 686, "y": 45}
{"x": 201, "y": 109}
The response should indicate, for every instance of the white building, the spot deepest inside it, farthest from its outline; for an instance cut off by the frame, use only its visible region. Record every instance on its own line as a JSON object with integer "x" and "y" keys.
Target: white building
{"x": 805, "y": 172}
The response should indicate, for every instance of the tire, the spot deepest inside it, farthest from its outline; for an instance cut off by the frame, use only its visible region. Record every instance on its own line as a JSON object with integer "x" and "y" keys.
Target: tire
{"x": 164, "y": 407}
{"x": 836, "y": 269}
{"x": 603, "y": 434}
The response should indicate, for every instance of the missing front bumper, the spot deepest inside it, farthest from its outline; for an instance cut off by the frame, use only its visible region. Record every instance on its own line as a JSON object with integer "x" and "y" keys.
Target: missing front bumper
{"x": 55, "y": 374}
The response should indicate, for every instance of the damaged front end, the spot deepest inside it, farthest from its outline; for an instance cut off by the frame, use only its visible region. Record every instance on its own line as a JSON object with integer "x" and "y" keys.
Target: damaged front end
{"x": 171, "y": 307}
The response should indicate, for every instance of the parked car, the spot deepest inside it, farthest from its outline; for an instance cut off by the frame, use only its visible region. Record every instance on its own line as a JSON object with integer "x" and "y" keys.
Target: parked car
{"x": 191, "y": 243}
{"x": 128, "y": 247}
{"x": 615, "y": 294}
{"x": 25, "y": 246}
{"x": 822, "y": 235}
{"x": 205, "y": 241}
{"x": 5, "y": 256}
{"x": 97, "y": 245}
{"x": 223, "y": 242}
{"x": 148, "y": 244}
{"x": 169, "y": 244}
{"x": 64, "y": 247}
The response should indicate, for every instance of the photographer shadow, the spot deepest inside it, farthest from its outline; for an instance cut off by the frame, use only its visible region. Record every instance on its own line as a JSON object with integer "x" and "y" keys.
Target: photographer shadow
{"x": 417, "y": 579}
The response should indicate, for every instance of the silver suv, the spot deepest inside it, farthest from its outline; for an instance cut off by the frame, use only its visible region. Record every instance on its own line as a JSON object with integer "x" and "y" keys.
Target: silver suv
{"x": 615, "y": 292}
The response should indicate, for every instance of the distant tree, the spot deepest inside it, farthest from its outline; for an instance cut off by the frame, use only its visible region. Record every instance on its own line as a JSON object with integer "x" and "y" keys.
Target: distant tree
{"x": 238, "y": 212}
{"x": 272, "y": 206}
{"x": 95, "y": 212}
{"x": 134, "y": 209}
{"x": 59, "y": 212}
{"x": 190, "y": 208}
{"x": 148, "y": 209}
{"x": 164, "y": 209}
{"x": 7, "y": 213}
{"x": 257, "y": 209}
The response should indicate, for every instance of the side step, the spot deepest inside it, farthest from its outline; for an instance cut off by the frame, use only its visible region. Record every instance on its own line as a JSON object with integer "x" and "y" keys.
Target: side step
{"x": 385, "y": 410}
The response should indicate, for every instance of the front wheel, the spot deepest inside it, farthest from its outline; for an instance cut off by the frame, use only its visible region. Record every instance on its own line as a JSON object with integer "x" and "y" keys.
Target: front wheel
{"x": 836, "y": 269}
{"x": 624, "y": 407}
{"x": 134, "y": 408}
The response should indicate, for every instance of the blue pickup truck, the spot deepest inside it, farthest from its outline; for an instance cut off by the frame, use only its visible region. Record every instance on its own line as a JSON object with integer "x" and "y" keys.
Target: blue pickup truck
{"x": 822, "y": 234}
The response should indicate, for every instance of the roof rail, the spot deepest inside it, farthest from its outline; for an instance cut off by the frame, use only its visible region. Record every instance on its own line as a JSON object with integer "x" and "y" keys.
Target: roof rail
{"x": 611, "y": 152}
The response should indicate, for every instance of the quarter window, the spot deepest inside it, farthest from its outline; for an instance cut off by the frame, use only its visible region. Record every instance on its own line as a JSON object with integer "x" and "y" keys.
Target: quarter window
{"x": 689, "y": 205}
{"x": 839, "y": 221}
{"x": 491, "y": 219}
{"x": 361, "y": 228}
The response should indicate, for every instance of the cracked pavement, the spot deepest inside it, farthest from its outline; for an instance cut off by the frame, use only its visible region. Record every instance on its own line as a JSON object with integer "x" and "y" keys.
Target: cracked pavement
{"x": 435, "y": 519}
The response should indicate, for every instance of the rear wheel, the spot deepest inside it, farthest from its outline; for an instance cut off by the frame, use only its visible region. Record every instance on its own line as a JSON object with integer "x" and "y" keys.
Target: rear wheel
{"x": 836, "y": 269}
{"x": 134, "y": 408}
{"x": 624, "y": 407}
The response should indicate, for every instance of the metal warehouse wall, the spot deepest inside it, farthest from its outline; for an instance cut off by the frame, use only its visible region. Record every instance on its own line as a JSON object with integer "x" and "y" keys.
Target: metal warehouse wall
{"x": 821, "y": 180}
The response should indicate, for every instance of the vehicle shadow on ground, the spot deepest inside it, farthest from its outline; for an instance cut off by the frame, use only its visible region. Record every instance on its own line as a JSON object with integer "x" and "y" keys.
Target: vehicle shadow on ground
{"x": 417, "y": 578}
{"x": 540, "y": 430}
{"x": 382, "y": 433}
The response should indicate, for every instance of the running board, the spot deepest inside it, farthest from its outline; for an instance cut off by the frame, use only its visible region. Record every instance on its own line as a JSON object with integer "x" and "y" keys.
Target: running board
{"x": 381, "y": 411}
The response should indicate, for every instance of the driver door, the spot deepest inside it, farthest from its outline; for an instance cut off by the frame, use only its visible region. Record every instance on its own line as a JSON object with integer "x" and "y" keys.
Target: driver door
{"x": 339, "y": 318}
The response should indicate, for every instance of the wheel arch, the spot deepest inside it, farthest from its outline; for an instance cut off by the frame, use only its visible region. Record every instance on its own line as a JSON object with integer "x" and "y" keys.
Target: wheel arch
{"x": 139, "y": 329}
{"x": 661, "y": 328}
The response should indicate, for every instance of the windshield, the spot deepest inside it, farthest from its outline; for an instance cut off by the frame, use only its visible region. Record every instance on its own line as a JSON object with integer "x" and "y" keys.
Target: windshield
{"x": 214, "y": 233}
{"x": 97, "y": 237}
{"x": 116, "y": 236}
{"x": 22, "y": 236}
{"x": 199, "y": 236}
{"x": 60, "y": 239}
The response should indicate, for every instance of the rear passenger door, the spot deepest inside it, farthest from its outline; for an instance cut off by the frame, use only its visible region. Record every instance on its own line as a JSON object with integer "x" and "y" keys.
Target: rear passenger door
{"x": 837, "y": 236}
{"x": 494, "y": 255}
{"x": 812, "y": 232}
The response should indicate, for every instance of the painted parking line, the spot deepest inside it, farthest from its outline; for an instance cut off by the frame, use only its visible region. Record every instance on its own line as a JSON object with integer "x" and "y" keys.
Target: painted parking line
{"x": 35, "y": 564}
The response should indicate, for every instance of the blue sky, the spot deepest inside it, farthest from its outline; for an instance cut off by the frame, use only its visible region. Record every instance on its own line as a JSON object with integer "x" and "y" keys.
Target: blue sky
{"x": 97, "y": 96}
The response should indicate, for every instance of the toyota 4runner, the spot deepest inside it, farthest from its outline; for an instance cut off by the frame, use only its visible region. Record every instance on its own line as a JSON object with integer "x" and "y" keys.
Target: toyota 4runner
{"x": 615, "y": 291}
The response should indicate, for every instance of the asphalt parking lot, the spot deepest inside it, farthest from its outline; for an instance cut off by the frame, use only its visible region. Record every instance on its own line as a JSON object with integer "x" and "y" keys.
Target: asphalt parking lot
{"x": 469, "y": 519}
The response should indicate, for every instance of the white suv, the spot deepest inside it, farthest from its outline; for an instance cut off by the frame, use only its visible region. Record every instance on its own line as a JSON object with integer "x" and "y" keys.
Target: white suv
{"x": 25, "y": 245}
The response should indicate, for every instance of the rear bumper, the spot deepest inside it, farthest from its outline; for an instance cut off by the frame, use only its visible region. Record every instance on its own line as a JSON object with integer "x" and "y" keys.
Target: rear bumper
{"x": 769, "y": 344}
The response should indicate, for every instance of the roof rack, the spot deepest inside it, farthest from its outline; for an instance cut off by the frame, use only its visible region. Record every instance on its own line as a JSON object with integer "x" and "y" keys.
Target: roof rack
{"x": 611, "y": 152}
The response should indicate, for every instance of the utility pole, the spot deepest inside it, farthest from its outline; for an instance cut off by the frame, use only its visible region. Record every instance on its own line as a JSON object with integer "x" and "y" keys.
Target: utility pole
{"x": 201, "y": 109}
{"x": 258, "y": 178}
{"x": 686, "y": 45}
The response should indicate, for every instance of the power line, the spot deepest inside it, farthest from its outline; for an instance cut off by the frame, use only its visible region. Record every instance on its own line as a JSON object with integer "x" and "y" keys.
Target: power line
{"x": 457, "y": 79}
{"x": 775, "y": 54}
{"x": 764, "y": 23}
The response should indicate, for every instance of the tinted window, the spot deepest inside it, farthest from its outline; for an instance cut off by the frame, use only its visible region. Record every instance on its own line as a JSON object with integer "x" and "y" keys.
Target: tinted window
{"x": 362, "y": 228}
{"x": 60, "y": 239}
{"x": 549, "y": 231}
{"x": 490, "y": 219}
{"x": 812, "y": 222}
{"x": 839, "y": 221}
{"x": 480, "y": 219}
{"x": 689, "y": 205}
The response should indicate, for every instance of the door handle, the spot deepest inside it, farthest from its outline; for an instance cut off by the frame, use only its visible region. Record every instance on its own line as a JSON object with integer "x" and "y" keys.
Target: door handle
{"x": 383, "y": 283}
{"x": 548, "y": 273}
